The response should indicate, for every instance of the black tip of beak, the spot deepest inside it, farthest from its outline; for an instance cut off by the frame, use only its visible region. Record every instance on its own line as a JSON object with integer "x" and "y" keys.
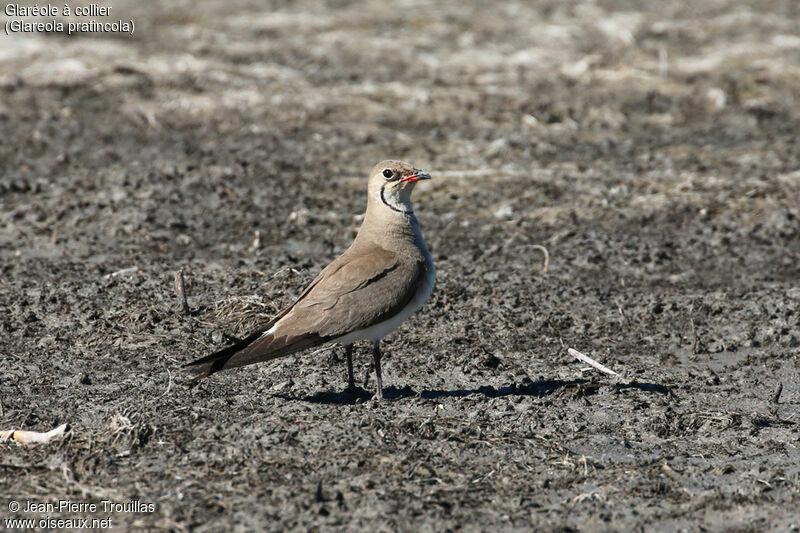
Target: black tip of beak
{"x": 421, "y": 174}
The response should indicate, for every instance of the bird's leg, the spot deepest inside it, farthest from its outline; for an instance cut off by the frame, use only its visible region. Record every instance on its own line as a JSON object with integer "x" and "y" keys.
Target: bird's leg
{"x": 351, "y": 382}
{"x": 376, "y": 356}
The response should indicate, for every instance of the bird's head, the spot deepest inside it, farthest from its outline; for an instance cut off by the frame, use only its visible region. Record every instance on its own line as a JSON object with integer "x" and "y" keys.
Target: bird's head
{"x": 391, "y": 183}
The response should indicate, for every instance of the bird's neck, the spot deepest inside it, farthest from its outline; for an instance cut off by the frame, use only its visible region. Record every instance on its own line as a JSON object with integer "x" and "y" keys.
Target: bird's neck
{"x": 391, "y": 229}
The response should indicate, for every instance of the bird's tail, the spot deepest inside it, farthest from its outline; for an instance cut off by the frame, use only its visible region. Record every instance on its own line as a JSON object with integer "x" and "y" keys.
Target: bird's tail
{"x": 258, "y": 347}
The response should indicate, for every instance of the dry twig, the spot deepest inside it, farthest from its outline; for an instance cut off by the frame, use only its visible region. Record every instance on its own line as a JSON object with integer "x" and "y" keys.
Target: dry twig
{"x": 588, "y": 360}
{"x": 492, "y": 250}
{"x": 546, "y": 262}
{"x": 123, "y": 272}
{"x": 180, "y": 290}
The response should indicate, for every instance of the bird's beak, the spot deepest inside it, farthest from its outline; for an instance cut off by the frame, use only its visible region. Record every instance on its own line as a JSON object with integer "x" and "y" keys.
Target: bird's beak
{"x": 416, "y": 176}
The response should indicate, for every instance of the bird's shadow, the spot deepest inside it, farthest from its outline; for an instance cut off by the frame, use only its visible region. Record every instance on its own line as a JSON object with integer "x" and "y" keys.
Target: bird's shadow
{"x": 581, "y": 387}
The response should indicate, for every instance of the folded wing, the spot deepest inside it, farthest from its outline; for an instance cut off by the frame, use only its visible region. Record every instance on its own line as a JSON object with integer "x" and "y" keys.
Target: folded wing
{"x": 363, "y": 287}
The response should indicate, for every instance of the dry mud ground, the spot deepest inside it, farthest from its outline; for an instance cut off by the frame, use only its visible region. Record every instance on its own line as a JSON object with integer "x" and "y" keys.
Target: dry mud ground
{"x": 651, "y": 147}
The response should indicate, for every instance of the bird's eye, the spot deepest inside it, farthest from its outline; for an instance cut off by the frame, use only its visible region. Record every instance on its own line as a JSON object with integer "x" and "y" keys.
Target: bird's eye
{"x": 387, "y": 173}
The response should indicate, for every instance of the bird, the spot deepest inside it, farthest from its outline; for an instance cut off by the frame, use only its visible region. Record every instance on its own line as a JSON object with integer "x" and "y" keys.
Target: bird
{"x": 385, "y": 276}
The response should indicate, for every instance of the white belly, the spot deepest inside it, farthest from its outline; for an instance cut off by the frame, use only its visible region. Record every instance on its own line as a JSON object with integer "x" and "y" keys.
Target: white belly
{"x": 381, "y": 329}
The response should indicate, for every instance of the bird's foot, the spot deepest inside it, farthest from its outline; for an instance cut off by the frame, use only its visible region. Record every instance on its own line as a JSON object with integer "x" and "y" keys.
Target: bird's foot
{"x": 378, "y": 395}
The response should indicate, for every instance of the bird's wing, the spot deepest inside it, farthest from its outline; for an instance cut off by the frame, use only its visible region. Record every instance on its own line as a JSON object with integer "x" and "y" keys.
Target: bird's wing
{"x": 370, "y": 287}
{"x": 363, "y": 287}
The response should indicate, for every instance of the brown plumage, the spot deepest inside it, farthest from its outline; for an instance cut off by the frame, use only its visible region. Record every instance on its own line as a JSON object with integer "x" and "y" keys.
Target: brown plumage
{"x": 385, "y": 275}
